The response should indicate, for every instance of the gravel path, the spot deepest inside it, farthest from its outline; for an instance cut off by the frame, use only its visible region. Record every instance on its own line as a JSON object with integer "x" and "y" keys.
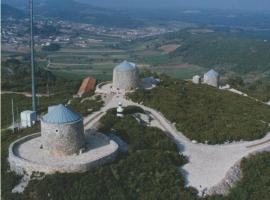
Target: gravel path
{"x": 208, "y": 164}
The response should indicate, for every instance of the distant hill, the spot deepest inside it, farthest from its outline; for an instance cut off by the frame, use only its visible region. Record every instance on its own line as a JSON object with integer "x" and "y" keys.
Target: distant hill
{"x": 79, "y": 12}
{"x": 74, "y": 11}
{"x": 225, "y": 51}
{"x": 9, "y": 11}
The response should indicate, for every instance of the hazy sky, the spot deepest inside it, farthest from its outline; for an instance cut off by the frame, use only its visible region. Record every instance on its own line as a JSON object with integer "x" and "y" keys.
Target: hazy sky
{"x": 221, "y": 4}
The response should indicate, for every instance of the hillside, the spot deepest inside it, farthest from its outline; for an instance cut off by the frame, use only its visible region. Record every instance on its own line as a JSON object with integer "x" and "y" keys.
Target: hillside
{"x": 9, "y": 11}
{"x": 226, "y": 51}
{"x": 150, "y": 170}
{"x": 245, "y": 54}
{"x": 85, "y": 13}
{"x": 204, "y": 113}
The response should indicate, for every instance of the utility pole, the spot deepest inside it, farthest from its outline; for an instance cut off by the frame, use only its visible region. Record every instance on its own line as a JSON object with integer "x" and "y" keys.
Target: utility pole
{"x": 18, "y": 119}
{"x": 47, "y": 83}
{"x": 13, "y": 117}
{"x": 48, "y": 90}
{"x": 32, "y": 45}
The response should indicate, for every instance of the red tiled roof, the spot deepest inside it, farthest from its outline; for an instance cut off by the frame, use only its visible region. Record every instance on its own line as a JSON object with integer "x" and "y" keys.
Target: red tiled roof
{"x": 87, "y": 84}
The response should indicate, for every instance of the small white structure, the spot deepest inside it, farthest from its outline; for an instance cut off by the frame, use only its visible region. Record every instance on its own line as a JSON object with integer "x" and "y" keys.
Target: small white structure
{"x": 120, "y": 110}
{"x": 225, "y": 87}
{"x": 28, "y": 118}
{"x": 211, "y": 78}
{"x": 196, "y": 79}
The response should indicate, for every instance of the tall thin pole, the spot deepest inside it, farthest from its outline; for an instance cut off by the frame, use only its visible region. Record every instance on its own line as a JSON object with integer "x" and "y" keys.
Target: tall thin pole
{"x": 18, "y": 119}
{"x": 48, "y": 90}
{"x": 32, "y": 45}
{"x": 13, "y": 117}
{"x": 47, "y": 84}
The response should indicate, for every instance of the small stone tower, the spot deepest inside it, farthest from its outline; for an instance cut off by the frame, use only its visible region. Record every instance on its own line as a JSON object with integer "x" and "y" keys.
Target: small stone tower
{"x": 211, "y": 78}
{"x": 62, "y": 131}
{"x": 125, "y": 76}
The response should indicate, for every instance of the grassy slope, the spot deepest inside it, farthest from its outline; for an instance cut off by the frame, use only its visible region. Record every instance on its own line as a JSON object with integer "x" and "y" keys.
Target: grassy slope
{"x": 204, "y": 113}
{"x": 148, "y": 171}
{"x": 259, "y": 89}
{"x": 227, "y": 51}
{"x": 223, "y": 50}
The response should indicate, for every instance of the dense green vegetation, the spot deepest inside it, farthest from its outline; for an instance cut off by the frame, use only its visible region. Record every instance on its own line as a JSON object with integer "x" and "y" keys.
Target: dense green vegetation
{"x": 204, "y": 113}
{"x": 259, "y": 89}
{"x": 86, "y": 106}
{"x": 16, "y": 75}
{"x": 225, "y": 51}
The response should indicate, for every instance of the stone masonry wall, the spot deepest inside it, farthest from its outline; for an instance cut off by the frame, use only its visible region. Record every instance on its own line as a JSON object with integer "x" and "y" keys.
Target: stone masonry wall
{"x": 22, "y": 166}
{"x": 63, "y": 139}
{"x": 126, "y": 80}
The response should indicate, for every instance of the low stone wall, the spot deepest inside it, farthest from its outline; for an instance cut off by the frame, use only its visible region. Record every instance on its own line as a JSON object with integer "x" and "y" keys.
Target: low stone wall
{"x": 22, "y": 166}
{"x": 232, "y": 176}
{"x": 18, "y": 164}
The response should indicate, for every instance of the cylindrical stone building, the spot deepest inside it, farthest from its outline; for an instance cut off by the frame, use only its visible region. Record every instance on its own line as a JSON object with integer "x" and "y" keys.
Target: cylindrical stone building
{"x": 62, "y": 131}
{"x": 125, "y": 76}
{"x": 211, "y": 78}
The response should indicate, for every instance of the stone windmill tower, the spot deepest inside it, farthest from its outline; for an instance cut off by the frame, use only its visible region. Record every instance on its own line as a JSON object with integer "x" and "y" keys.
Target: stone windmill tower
{"x": 62, "y": 131}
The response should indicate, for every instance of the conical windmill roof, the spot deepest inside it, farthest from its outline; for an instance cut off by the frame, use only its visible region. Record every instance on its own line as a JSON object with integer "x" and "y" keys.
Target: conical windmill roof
{"x": 61, "y": 114}
{"x": 125, "y": 66}
{"x": 212, "y": 73}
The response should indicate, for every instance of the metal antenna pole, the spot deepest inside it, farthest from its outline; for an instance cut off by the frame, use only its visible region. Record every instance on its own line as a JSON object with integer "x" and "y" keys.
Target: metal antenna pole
{"x": 47, "y": 88}
{"x": 18, "y": 119}
{"x": 13, "y": 118}
{"x": 33, "y": 69}
{"x": 47, "y": 83}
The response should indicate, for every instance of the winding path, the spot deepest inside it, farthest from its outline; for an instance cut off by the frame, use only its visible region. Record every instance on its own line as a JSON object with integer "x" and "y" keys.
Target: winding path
{"x": 208, "y": 164}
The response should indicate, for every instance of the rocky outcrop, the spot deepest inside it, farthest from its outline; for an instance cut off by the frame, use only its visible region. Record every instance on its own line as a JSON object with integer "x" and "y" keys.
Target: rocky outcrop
{"x": 232, "y": 176}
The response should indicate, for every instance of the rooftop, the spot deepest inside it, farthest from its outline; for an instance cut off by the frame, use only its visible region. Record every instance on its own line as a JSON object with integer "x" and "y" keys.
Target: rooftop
{"x": 60, "y": 114}
{"x": 87, "y": 84}
{"x": 125, "y": 66}
{"x": 212, "y": 73}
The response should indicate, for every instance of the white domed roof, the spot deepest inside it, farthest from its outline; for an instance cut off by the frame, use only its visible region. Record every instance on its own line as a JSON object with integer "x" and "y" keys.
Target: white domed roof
{"x": 125, "y": 66}
{"x": 60, "y": 114}
{"x": 212, "y": 73}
